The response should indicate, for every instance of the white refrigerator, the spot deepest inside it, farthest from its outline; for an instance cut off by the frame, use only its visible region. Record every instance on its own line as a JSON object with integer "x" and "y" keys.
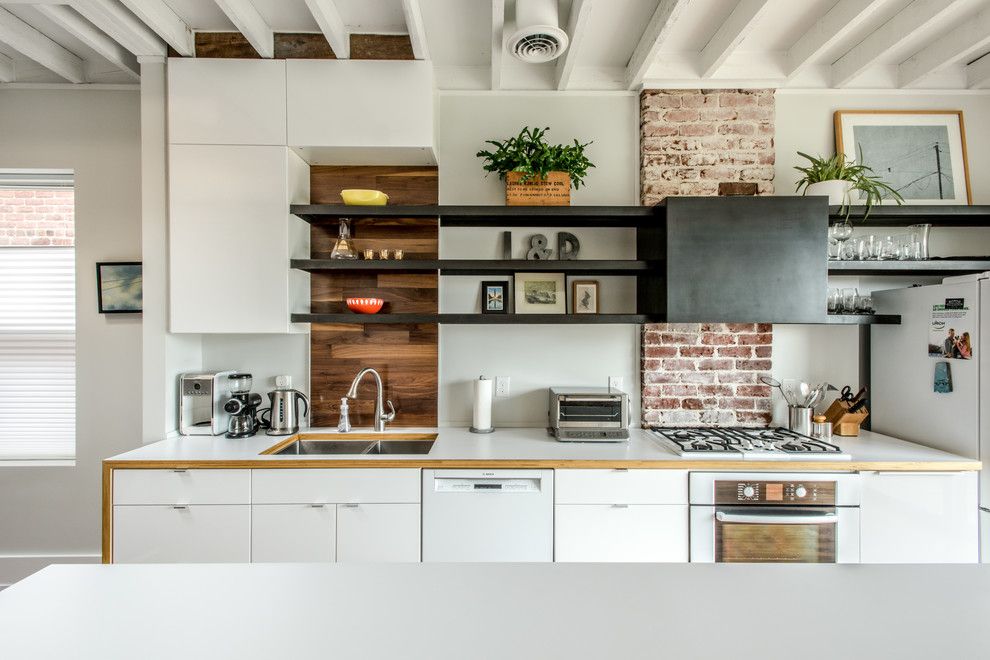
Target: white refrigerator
{"x": 903, "y": 400}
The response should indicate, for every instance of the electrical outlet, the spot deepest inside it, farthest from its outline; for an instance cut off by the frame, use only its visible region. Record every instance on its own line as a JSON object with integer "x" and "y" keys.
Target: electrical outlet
{"x": 615, "y": 383}
{"x": 501, "y": 386}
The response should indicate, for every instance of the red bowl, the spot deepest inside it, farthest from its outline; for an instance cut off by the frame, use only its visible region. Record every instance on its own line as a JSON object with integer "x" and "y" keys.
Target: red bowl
{"x": 365, "y": 305}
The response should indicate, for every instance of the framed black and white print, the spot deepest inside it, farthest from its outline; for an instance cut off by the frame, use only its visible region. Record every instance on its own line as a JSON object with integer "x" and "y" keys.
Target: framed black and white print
{"x": 540, "y": 293}
{"x": 494, "y": 297}
{"x": 119, "y": 287}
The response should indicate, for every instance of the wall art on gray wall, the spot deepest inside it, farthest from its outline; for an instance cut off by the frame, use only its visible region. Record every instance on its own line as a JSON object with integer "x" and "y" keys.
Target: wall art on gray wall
{"x": 119, "y": 286}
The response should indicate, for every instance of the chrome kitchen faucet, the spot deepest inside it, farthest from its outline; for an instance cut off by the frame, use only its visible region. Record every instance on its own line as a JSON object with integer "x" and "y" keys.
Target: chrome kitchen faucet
{"x": 381, "y": 417}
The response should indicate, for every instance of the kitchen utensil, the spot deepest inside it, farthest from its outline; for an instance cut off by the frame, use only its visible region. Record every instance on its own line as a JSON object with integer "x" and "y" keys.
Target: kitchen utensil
{"x": 799, "y": 419}
{"x": 794, "y": 391}
{"x": 365, "y": 305}
{"x": 343, "y": 249}
{"x": 856, "y": 407}
{"x": 766, "y": 380}
{"x": 360, "y": 197}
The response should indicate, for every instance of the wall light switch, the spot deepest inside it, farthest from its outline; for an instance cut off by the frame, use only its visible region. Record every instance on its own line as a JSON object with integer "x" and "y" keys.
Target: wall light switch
{"x": 501, "y": 386}
{"x": 615, "y": 383}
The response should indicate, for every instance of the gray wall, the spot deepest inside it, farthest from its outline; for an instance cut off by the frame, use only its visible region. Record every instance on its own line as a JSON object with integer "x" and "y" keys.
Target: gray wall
{"x": 55, "y": 511}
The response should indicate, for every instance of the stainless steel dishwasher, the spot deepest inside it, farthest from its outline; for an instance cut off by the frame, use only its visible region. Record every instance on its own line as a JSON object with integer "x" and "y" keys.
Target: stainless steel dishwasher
{"x": 487, "y": 515}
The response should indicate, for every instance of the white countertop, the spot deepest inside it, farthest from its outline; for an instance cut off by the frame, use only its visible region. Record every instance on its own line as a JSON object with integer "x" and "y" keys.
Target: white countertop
{"x": 478, "y": 611}
{"x": 519, "y": 445}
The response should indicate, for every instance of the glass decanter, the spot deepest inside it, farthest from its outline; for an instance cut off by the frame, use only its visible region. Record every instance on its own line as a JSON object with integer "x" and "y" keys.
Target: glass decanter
{"x": 343, "y": 249}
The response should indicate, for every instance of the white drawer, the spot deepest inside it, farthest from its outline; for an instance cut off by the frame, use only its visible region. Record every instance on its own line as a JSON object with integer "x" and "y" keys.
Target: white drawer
{"x": 606, "y": 533}
{"x": 330, "y": 485}
{"x": 621, "y": 487}
{"x": 188, "y": 534}
{"x": 182, "y": 486}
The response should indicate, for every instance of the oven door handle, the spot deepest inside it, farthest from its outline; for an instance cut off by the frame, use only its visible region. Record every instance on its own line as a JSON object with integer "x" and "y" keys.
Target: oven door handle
{"x": 777, "y": 519}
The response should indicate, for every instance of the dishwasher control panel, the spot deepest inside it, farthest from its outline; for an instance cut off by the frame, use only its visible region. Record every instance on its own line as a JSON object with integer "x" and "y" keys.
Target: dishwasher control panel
{"x": 454, "y": 485}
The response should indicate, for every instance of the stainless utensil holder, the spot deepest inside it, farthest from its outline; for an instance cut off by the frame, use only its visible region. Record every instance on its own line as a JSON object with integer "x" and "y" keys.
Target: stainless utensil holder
{"x": 799, "y": 419}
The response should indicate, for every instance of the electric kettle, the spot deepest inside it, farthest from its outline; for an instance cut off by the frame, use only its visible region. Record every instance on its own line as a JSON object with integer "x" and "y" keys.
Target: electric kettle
{"x": 283, "y": 416}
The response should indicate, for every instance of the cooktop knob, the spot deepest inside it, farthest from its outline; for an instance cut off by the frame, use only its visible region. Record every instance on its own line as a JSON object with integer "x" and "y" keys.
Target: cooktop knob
{"x": 749, "y": 491}
{"x": 800, "y": 491}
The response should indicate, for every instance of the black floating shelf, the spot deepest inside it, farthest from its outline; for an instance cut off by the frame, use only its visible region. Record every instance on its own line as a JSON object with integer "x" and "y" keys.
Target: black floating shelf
{"x": 486, "y": 319}
{"x": 321, "y": 212}
{"x": 480, "y": 266}
{"x": 863, "y": 319}
{"x": 900, "y": 216}
{"x": 493, "y": 216}
{"x": 947, "y": 266}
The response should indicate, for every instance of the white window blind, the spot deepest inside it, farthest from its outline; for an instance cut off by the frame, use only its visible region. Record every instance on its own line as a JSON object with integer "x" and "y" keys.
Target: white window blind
{"x": 37, "y": 353}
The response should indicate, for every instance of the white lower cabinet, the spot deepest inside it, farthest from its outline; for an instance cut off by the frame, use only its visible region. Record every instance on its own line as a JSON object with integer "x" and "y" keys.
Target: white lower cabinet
{"x": 175, "y": 533}
{"x": 621, "y": 533}
{"x": 293, "y": 532}
{"x": 919, "y": 517}
{"x": 378, "y": 532}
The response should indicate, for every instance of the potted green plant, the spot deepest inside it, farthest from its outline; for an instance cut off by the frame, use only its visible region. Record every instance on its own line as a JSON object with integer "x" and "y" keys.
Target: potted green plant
{"x": 537, "y": 173}
{"x": 837, "y": 178}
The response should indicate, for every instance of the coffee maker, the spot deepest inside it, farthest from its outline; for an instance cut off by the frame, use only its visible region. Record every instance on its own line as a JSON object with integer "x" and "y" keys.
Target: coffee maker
{"x": 242, "y": 406}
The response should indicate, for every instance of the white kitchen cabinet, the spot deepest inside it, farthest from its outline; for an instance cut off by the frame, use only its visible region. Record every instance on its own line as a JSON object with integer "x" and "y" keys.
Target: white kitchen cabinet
{"x": 293, "y": 532}
{"x": 919, "y": 517}
{"x": 378, "y": 532}
{"x": 621, "y": 486}
{"x": 621, "y": 533}
{"x": 226, "y": 101}
{"x": 198, "y": 533}
{"x": 179, "y": 486}
{"x": 231, "y": 238}
{"x": 341, "y": 486}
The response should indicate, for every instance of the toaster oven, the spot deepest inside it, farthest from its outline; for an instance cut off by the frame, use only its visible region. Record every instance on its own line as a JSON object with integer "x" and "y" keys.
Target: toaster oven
{"x": 587, "y": 414}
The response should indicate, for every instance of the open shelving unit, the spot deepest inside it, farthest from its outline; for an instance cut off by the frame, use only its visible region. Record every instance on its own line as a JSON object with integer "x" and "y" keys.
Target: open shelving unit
{"x": 479, "y": 266}
{"x": 928, "y": 267}
{"x": 902, "y": 216}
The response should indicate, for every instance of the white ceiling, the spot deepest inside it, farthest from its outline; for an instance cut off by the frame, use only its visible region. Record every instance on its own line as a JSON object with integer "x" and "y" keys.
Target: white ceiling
{"x": 616, "y": 44}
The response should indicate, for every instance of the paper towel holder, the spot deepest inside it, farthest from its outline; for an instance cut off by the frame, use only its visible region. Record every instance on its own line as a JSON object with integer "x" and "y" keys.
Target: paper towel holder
{"x": 473, "y": 428}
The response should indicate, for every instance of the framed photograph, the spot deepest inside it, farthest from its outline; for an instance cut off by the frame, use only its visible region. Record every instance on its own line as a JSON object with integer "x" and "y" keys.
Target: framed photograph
{"x": 119, "y": 287}
{"x": 541, "y": 293}
{"x": 920, "y": 153}
{"x": 494, "y": 297}
{"x": 584, "y": 296}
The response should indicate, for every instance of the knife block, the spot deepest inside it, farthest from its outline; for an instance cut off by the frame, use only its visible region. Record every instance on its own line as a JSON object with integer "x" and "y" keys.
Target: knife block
{"x": 845, "y": 423}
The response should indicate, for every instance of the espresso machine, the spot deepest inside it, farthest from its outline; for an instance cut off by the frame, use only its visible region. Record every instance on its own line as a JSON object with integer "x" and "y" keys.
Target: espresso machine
{"x": 242, "y": 406}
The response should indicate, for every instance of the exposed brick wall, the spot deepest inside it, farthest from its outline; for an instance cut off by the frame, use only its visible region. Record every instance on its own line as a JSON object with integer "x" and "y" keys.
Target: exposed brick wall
{"x": 694, "y": 139}
{"x": 706, "y": 374}
{"x": 37, "y": 217}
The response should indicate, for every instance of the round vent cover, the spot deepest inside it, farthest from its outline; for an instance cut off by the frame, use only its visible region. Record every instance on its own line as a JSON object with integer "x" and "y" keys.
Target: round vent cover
{"x": 537, "y": 43}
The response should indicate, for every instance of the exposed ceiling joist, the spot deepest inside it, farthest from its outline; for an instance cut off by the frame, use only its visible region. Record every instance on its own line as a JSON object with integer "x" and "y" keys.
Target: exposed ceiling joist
{"x": 498, "y": 26}
{"x": 245, "y": 17}
{"x": 328, "y": 18}
{"x": 7, "y": 72}
{"x": 842, "y": 19}
{"x": 166, "y": 24}
{"x": 120, "y": 25}
{"x": 36, "y": 46}
{"x": 657, "y": 31}
{"x": 577, "y": 29}
{"x": 85, "y": 32}
{"x": 728, "y": 37}
{"x": 959, "y": 45}
{"x": 417, "y": 31}
{"x": 900, "y": 29}
{"x": 978, "y": 73}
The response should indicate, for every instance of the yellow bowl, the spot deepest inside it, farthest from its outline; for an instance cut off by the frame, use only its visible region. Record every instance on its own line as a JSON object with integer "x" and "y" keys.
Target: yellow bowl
{"x": 364, "y": 197}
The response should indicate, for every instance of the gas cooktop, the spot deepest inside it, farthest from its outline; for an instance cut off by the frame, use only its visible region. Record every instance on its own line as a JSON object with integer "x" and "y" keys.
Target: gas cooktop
{"x": 759, "y": 444}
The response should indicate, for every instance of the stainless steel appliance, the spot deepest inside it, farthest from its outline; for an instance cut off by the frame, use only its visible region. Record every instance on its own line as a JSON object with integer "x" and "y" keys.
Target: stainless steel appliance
{"x": 201, "y": 398}
{"x": 487, "y": 515}
{"x": 588, "y": 414}
{"x": 283, "y": 415}
{"x": 758, "y": 444}
{"x": 242, "y": 406}
{"x": 760, "y": 517}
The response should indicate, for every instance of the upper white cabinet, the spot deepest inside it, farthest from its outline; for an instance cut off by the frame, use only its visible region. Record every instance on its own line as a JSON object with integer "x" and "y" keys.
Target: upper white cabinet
{"x": 919, "y": 517}
{"x": 223, "y": 101}
{"x": 343, "y": 112}
{"x": 231, "y": 238}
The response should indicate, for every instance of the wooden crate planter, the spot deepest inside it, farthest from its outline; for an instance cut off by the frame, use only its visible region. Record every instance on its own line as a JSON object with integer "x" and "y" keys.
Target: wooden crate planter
{"x": 554, "y": 190}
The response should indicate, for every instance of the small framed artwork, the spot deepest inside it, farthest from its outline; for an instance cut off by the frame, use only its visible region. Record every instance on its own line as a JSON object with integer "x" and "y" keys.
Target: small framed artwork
{"x": 119, "y": 287}
{"x": 584, "y": 296}
{"x": 494, "y": 297}
{"x": 920, "y": 153}
{"x": 541, "y": 293}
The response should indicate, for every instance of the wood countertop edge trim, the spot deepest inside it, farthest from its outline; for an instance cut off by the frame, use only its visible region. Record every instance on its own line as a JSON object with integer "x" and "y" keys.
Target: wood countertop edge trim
{"x": 106, "y": 536}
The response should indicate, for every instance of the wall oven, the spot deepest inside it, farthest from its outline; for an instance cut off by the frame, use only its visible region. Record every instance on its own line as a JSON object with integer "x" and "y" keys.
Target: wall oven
{"x": 774, "y": 517}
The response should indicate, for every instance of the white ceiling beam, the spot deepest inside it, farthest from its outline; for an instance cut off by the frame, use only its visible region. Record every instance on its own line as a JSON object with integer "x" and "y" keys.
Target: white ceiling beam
{"x": 416, "y": 28}
{"x": 728, "y": 37}
{"x": 841, "y": 20}
{"x": 577, "y": 29}
{"x": 7, "y": 72}
{"x": 972, "y": 37}
{"x": 896, "y": 32}
{"x": 120, "y": 25}
{"x": 245, "y": 17}
{"x": 978, "y": 73}
{"x": 85, "y": 32}
{"x": 498, "y": 27}
{"x": 36, "y": 46}
{"x": 159, "y": 17}
{"x": 328, "y": 18}
{"x": 657, "y": 31}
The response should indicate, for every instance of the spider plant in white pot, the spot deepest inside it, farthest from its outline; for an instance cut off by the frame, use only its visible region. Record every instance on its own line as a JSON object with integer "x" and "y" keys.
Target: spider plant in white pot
{"x": 838, "y": 178}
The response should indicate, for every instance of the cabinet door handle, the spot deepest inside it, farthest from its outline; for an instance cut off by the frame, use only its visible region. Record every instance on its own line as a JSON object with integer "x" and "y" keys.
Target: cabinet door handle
{"x": 620, "y": 469}
{"x": 179, "y": 471}
{"x": 318, "y": 505}
{"x": 180, "y": 507}
{"x": 351, "y": 505}
{"x": 620, "y": 506}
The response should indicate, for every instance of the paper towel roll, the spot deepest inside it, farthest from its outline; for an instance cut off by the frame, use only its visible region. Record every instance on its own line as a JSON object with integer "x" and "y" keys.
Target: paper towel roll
{"x": 482, "y": 420}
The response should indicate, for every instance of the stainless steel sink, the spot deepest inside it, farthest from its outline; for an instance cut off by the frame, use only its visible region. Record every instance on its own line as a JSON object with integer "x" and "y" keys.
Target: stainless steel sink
{"x": 400, "y": 447}
{"x": 355, "y": 445}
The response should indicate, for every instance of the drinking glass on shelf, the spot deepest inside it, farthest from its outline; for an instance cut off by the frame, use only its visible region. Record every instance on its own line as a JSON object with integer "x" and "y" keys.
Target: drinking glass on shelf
{"x": 841, "y": 233}
{"x": 834, "y": 249}
{"x": 849, "y": 300}
{"x": 873, "y": 246}
{"x": 848, "y": 251}
{"x": 919, "y": 234}
{"x": 834, "y": 301}
{"x": 888, "y": 249}
{"x": 864, "y": 304}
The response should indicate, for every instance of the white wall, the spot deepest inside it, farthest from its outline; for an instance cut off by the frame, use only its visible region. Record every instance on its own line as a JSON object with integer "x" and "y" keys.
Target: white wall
{"x": 535, "y": 357}
{"x": 55, "y": 511}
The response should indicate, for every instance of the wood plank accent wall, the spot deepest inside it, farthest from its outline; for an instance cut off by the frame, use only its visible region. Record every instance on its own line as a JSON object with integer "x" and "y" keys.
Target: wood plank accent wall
{"x": 404, "y": 355}
{"x": 303, "y": 45}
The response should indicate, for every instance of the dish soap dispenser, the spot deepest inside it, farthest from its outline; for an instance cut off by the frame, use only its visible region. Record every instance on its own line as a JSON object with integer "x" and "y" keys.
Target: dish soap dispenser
{"x": 343, "y": 249}
{"x": 344, "y": 425}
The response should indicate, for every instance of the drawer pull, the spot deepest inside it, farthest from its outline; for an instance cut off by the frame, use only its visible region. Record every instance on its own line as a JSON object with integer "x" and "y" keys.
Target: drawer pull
{"x": 620, "y": 469}
{"x": 317, "y": 505}
{"x": 180, "y": 507}
{"x": 179, "y": 471}
{"x": 351, "y": 505}
{"x": 620, "y": 506}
